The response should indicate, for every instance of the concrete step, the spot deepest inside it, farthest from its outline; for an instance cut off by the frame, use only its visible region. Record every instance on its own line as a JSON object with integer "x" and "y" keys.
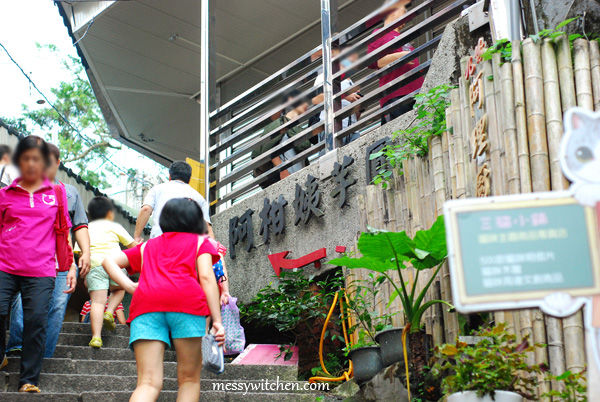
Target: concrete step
{"x": 96, "y": 383}
{"x": 46, "y": 397}
{"x": 86, "y": 352}
{"x": 206, "y": 396}
{"x": 109, "y": 341}
{"x": 128, "y": 368}
{"x": 80, "y": 328}
{"x": 165, "y": 396}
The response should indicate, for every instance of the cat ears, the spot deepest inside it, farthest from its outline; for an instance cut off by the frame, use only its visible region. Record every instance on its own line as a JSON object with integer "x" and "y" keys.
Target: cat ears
{"x": 577, "y": 118}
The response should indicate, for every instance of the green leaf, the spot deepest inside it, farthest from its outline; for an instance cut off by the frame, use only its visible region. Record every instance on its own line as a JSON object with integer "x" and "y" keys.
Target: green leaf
{"x": 384, "y": 246}
{"x": 433, "y": 240}
{"x": 566, "y": 22}
{"x": 367, "y": 262}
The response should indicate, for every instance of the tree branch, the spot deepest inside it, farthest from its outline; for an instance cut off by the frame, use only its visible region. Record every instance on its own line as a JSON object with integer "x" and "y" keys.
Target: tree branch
{"x": 90, "y": 149}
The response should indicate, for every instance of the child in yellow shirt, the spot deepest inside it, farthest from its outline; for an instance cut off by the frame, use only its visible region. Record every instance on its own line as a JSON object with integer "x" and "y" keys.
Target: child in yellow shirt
{"x": 106, "y": 236}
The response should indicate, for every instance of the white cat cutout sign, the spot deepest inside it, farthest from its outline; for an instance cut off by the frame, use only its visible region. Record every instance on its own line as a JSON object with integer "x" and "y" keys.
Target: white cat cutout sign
{"x": 580, "y": 162}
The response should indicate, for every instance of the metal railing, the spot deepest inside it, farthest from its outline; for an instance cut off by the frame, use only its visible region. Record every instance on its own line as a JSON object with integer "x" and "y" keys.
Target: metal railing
{"x": 237, "y": 128}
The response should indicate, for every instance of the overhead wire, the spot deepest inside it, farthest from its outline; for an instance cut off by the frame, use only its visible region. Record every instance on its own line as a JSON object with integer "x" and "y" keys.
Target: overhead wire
{"x": 75, "y": 129}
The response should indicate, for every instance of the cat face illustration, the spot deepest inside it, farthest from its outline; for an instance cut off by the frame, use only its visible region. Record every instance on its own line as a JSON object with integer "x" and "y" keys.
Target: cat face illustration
{"x": 580, "y": 146}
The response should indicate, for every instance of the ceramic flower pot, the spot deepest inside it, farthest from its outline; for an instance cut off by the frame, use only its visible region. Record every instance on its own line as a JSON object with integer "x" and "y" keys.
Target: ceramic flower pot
{"x": 471, "y": 396}
{"x": 390, "y": 342}
{"x": 366, "y": 362}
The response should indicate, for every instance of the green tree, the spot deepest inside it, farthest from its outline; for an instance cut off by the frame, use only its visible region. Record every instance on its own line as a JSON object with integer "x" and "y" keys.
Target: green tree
{"x": 85, "y": 137}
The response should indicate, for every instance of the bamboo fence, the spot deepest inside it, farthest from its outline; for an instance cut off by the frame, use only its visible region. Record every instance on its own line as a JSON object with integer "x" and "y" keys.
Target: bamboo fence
{"x": 505, "y": 126}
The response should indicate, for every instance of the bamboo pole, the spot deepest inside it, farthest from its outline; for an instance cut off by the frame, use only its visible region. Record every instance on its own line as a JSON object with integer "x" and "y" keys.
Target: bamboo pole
{"x": 436, "y": 154}
{"x": 554, "y": 124}
{"x": 538, "y": 145}
{"x": 583, "y": 77}
{"x": 458, "y": 139}
{"x": 536, "y": 120}
{"x": 493, "y": 130}
{"x": 573, "y": 325}
{"x": 467, "y": 128}
{"x": 595, "y": 72}
{"x": 521, "y": 119}
{"x": 513, "y": 181}
{"x": 565, "y": 72}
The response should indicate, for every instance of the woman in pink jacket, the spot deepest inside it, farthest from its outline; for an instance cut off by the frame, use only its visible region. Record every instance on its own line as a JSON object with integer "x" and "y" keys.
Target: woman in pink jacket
{"x": 28, "y": 212}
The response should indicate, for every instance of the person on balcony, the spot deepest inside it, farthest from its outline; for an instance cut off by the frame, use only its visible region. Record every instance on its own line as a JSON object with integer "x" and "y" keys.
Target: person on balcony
{"x": 278, "y": 119}
{"x": 347, "y": 99}
{"x": 392, "y": 14}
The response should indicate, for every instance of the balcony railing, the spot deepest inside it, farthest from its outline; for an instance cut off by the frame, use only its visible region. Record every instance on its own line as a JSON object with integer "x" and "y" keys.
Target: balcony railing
{"x": 237, "y": 128}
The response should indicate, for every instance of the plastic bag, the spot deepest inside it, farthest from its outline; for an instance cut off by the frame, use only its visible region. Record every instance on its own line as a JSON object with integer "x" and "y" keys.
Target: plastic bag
{"x": 235, "y": 339}
{"x": 212, "y": 355}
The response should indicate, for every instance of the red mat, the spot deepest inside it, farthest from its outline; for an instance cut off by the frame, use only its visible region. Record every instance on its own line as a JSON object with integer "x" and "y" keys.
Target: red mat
{"x": 265, "y": 355}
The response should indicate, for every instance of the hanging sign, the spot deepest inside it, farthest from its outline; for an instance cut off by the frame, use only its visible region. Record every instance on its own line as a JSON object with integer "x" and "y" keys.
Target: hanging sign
{"x": 517, "y": 251}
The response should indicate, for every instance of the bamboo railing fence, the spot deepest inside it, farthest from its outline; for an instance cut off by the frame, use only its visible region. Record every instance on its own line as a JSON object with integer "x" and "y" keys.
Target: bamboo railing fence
{"x": 505, "y": 125}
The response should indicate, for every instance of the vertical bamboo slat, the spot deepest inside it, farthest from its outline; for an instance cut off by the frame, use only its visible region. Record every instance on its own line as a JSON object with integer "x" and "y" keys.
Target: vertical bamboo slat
{"x": 458, "y": 138}
{"x": 595, "y": 72}
{"x": 513, "y": 181}
{"x": 467, "y": 128}
{"x": 565, "y": 72}
{"x": 554, "y": 125}
{"x": 493, "y": 130}
{"x": 536, "y": 117}
{"x": 538, "y": 149}
{"x": 521, "y": 119}
{"x": 583, "y": 77}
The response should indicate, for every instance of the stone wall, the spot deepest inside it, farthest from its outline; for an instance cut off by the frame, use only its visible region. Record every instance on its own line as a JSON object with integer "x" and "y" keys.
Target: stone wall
{"x": 251, "y": 271}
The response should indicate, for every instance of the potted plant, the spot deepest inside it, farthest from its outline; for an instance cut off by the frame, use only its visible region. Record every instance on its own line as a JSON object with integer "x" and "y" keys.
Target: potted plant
{"x": 362, "y": 302}
{"x": 494, "y": 369}
{"x": 384, "y": 252}
{"x": 296, "y": 306}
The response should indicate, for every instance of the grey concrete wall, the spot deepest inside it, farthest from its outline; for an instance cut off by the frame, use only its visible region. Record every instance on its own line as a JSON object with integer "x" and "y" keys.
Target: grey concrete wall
{"x": 86, "y": 192}
{"x": 550, "y": 13}
{"x": 251, "y": 271}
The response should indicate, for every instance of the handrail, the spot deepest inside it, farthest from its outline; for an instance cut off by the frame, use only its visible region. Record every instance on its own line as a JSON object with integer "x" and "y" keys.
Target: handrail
{"x": 242, "y": 132}
{"x": 279, "y": 168}
{"x": 281, "y": 91}
{"x": 221, "y": 109}
{"x": 265, "y": 137}
{"x": 226, "y": 142}
{"x": 414, "y": 32}
{"x": 262, "y": 159}
{"x": 392, "y": 66}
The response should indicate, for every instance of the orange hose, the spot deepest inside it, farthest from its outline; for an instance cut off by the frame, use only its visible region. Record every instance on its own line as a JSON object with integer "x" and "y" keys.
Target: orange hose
{"x": 404, "y": 332}
{"x": 347, "y": 374}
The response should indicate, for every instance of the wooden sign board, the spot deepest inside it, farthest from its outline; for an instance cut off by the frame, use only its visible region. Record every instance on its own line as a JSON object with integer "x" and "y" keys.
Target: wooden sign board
{"x": 515, "y": 251}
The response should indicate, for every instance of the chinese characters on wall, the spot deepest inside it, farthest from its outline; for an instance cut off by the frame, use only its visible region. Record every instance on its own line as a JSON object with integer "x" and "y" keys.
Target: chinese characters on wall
{"x": 306, "y": 205}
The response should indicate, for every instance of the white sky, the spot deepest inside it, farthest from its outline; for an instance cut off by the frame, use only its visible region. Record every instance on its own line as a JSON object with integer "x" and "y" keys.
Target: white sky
{"x": 25, "y": 23}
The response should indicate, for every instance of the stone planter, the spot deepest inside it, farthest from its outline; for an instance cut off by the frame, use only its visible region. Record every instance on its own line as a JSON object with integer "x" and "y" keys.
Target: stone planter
{"x": 471, "y": 396}
{"x": 366, "y": 362}
{"x": 390, "y": 342}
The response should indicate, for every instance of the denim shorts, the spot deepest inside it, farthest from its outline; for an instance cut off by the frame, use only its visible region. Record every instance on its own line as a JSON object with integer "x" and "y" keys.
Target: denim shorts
{"x": 164, "y": 326}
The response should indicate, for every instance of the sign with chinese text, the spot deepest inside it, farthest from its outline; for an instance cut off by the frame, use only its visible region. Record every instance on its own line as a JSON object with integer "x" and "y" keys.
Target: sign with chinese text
{"x": 513, "y": 251}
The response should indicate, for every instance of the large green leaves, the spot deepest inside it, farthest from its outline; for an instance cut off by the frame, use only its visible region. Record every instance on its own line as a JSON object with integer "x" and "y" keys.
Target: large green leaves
{"x": 430, "y": 246}
{"x": 383, "y": 251}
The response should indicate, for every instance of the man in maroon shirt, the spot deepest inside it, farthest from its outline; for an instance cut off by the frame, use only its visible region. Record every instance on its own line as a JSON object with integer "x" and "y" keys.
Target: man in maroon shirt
{"x": 388, "y": 56}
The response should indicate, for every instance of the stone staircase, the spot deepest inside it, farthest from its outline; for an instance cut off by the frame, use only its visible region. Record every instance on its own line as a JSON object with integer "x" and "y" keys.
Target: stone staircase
{"x": 80, "y": 373}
